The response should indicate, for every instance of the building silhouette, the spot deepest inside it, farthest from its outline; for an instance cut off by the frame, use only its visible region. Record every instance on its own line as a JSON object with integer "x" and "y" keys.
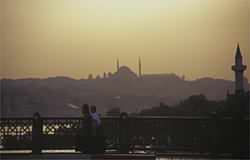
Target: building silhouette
{"x": 238, "y": 103}
{"x": 127, "y": 70}
{"x": 239, "y": 69}
{"x": 140, "y": 69}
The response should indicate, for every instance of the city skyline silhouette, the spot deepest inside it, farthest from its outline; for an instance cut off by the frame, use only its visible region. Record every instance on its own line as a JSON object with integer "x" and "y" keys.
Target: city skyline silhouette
{"x": 124, "y": 79}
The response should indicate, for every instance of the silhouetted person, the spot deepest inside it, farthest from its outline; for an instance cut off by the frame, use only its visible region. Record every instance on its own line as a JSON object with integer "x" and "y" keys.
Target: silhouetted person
{"x": 85, "y": 130}
{"x": 97, "y": 136}
{"x": 96, "y": 121}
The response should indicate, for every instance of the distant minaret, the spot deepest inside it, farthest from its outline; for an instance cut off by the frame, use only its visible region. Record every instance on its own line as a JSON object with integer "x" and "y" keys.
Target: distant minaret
{"x": 117, "y": 65}
{"x": 139, "y": 63}
{"x": 239, "y": 69}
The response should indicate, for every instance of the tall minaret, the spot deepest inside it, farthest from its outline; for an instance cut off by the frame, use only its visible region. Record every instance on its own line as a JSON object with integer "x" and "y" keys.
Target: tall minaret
{"x": 239, "y": 69}
{"x": 139, "y": 65}
{"x": 117, "y": 65}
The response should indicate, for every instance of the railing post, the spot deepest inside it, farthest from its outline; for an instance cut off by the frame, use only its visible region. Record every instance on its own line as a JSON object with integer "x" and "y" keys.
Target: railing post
{"x": 36, "y": 134}
{"x": 124, "y": 140}
{"x": 216, "y": 140}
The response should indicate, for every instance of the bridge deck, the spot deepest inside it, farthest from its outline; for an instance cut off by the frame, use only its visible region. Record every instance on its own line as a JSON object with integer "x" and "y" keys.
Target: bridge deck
{"x": 77, "y": 157}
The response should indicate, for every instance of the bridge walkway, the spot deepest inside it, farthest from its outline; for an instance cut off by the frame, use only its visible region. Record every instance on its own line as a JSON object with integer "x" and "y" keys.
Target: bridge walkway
{"x": 71, "y": 156}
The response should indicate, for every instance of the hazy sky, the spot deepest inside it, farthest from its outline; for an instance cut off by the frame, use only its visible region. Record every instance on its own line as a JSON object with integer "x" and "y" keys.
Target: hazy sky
{"x": 197, "y": 38}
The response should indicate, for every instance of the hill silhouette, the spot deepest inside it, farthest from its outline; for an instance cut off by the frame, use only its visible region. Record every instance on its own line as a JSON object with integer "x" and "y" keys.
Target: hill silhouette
{"x": 123, "y": 89}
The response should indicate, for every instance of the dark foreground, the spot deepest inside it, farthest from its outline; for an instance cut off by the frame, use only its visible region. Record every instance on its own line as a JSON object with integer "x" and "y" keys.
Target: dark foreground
{"x": 78, "y": 156}
{"x": 209, "y": 137}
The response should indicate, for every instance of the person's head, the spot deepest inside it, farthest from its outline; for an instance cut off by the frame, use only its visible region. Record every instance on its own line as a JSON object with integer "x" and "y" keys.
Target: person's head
{"x": 85, "y": 109}
{"x": 93, "y": 109}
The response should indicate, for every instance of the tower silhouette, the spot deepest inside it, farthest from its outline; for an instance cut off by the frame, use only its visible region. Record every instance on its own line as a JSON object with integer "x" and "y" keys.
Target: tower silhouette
{"x": 139, "y": 65}
{"x": 117, "y": 65}
{"x": 239, "y": 69}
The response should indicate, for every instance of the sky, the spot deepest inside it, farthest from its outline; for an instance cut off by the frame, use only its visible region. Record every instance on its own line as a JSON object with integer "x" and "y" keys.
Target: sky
{"x": 195, "y": 38}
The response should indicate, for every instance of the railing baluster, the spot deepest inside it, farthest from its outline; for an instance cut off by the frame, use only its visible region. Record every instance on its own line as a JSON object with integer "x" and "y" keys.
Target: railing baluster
{"x": 37, "y": 134}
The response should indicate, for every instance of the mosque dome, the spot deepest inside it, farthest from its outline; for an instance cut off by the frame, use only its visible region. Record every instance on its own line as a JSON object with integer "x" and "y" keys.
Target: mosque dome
{"x": 125, "y": 72}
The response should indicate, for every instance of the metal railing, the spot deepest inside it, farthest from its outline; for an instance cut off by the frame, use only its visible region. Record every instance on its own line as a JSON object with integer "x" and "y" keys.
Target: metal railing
{"x": 166, "y": 133}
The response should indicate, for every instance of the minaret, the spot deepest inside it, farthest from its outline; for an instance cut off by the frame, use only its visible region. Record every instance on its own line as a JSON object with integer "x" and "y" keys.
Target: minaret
{"x": 239, "y": 69}
{"x": 117, "y": 65}
{"x": 139, "y": 65}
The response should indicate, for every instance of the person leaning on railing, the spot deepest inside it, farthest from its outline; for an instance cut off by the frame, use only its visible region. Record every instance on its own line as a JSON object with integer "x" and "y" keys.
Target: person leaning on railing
{"x": 84, "y": 134}
{"x": 97, "y": 132}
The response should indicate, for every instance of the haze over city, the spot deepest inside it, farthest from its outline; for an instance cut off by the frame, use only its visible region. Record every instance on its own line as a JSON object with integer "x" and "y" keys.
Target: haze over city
{"x": 124, "y": 79}
{"x": 194, "y": 38}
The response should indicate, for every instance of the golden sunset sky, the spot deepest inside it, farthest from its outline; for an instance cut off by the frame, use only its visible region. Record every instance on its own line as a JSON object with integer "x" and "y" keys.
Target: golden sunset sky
{"x": 195, "y": 38}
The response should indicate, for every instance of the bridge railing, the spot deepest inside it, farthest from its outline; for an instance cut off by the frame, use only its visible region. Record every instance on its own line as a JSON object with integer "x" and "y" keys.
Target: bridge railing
{"x": 16, "y": 133}
{"x": 183, "y": 133}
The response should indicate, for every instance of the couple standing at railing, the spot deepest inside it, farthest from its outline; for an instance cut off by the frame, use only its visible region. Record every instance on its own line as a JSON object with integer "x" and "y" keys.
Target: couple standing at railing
{"x": 90, "y": 137}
